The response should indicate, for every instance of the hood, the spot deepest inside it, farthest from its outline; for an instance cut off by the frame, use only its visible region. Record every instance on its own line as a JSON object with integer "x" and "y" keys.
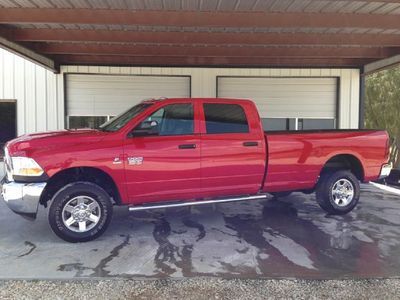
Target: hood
{"x": 52, "y": 139}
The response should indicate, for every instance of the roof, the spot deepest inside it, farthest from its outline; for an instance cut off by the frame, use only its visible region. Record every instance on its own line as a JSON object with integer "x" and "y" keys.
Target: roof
{"x": 302, "y": 33}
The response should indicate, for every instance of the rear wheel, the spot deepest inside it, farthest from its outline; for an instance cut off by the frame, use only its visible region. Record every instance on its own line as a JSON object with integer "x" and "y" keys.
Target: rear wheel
{"x": 338, "y": 192}
{"x": 80, "y": 212}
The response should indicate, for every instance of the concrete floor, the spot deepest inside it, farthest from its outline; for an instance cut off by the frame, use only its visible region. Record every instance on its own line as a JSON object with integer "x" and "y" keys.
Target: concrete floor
{"x": 268, "y": 238}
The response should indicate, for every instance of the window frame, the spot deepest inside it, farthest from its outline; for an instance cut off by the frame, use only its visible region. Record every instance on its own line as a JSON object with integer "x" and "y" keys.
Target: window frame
{"x": 203, "y": 118}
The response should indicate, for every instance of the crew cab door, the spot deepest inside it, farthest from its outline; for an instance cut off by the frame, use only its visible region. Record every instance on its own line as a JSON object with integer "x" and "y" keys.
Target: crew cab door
{"x": 233, "y": 154}
{"x": 162, "y": 155}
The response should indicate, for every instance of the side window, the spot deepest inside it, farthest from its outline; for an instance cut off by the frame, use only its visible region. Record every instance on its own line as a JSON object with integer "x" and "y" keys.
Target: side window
{"x": 225, "y": 118}
{"x": 173, "y": 119}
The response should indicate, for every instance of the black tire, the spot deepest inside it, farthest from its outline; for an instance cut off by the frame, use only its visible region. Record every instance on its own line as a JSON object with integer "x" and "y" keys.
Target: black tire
{"x": 332, "y": 204}
{"x": 91, "y": 193}
{"x": 281, "y": 194}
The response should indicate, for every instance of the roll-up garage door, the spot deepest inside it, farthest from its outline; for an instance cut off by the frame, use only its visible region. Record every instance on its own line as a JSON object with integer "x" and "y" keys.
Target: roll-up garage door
{"x": 287, "y": 103}
{"x": 93, "y": 99}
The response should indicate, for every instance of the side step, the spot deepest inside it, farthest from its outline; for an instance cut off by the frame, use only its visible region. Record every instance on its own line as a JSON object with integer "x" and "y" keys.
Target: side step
{"x": 193, "y": 203}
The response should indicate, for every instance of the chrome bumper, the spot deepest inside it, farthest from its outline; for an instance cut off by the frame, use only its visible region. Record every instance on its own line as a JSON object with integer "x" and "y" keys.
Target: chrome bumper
{"x": 22, "y": 198}
{"x": 385, "y": 171}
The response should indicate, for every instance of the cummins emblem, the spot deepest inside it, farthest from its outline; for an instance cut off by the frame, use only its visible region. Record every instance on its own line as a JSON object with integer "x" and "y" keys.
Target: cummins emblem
{"x": 135, "y": 160}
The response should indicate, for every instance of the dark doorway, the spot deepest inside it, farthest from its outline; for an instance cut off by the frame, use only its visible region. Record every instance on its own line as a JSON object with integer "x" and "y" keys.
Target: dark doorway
{"x": 8, "y": 122}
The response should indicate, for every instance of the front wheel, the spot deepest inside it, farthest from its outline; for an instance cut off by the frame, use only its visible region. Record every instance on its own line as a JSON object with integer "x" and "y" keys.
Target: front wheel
{"x": 338, "y": 192}
{"x": 80, "y": 212}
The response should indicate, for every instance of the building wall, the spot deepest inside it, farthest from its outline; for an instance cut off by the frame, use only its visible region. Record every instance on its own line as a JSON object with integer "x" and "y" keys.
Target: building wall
{"x": 35, "y": 90}
{"x": 40, "y": 93}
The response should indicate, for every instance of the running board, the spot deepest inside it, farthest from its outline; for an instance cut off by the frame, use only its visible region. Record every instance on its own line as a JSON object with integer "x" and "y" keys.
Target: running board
{"x": 193, "y": 203}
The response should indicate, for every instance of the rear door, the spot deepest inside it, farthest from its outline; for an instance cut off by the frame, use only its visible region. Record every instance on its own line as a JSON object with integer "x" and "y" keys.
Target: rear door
{"x": 233, "y": 153}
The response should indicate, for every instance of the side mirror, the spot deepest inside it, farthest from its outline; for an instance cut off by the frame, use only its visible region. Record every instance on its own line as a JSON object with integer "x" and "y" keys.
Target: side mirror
{"x": 145, "y": 128}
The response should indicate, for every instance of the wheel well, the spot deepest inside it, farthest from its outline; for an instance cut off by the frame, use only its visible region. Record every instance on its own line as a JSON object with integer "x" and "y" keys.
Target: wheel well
{"x": 88, "y": 174}
{"x": 345, "y": 162}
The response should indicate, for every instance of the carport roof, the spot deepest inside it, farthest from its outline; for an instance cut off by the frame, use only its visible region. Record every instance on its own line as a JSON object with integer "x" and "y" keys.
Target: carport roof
{"x": 296, "y": 33}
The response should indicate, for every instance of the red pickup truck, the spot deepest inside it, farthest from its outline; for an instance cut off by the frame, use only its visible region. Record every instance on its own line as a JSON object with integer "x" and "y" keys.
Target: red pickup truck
{"x": 178, "y": 152}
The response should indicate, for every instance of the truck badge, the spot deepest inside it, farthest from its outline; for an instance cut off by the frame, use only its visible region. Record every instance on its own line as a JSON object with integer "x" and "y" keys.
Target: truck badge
{"x": 135, "y": 160}
{"x": 117, "y": 161}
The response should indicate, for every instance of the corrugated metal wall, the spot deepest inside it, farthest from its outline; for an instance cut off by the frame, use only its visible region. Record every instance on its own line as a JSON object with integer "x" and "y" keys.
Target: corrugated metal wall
{"x": 35, "y": 90}
{"x": 40, "y": 93}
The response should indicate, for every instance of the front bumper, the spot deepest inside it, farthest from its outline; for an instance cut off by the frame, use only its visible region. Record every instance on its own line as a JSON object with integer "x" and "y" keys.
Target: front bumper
{"x": 22, "y": 198}
{"x": 385, "y": 171}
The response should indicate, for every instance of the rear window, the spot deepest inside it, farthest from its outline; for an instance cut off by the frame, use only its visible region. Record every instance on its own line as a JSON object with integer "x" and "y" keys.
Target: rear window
{"x": 225, "y": 118}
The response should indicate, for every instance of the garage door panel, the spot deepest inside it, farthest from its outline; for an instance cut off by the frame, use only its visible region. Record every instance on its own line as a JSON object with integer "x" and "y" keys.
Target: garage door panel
{"x": 109, "y": 95}
{"x": 284, "y": 97}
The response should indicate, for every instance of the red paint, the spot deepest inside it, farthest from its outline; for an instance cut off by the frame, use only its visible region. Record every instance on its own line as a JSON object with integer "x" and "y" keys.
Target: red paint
{"x": 295, "y": 160}
{"x": 219, "y": 165}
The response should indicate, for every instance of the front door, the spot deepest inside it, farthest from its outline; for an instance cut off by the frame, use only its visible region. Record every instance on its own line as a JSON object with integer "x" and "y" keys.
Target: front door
{"x": 162, "y": 155}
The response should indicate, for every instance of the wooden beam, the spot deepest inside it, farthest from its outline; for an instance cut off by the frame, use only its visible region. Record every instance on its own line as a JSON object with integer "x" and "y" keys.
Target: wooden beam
{"x": 123, "y": 36}
{"x": 27, "y": 53}
{"x": 196, "y": 18}
{"x": 209, "y": 61}
{"x": 215, "y": 51}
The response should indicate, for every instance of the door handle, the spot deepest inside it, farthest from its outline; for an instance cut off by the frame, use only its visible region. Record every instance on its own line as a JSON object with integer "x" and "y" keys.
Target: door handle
{"x": 187, "y": 146}
{"x": 250, "y": 144}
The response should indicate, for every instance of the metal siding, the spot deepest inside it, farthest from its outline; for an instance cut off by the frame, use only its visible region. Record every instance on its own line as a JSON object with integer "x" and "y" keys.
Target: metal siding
{"x": 28, "y": 83}
{"x": 104, "y": 95}
{"x": 284, "y": 97}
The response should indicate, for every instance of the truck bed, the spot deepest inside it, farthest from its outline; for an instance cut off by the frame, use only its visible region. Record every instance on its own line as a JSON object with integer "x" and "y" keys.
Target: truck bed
{"x": 295, "y": 158}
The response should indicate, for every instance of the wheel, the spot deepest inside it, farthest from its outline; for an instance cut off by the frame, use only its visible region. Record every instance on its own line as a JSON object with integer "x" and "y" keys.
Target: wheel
{"x": 338, "y": 192}
{"x": 80, "y": 212}
{"x": 281, "y": 194}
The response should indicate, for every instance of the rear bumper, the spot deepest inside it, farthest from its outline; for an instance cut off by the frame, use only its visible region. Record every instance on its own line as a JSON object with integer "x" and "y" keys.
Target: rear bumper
{"x": 22, "y": 198}
{"x": 385, "y": 171}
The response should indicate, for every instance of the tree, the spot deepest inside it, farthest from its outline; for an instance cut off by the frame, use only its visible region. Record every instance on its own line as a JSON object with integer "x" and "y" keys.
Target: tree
{"x": 382, "y": 107}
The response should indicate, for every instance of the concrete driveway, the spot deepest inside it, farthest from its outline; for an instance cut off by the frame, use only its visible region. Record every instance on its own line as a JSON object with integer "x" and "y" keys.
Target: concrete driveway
{"x": 268, "y": 238}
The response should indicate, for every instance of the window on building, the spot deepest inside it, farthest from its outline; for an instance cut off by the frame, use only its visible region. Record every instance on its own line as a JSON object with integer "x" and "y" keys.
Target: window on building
{"x": 225, "y": 118}
{"x": 8, "y": 122}
{"x": 308, "y": 124}
{"x": 278, "y": 124}
{"x": 75, "y": 122}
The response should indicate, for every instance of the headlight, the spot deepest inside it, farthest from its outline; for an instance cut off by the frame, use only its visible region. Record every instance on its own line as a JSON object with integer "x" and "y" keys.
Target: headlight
{"x": 25, "y": 166}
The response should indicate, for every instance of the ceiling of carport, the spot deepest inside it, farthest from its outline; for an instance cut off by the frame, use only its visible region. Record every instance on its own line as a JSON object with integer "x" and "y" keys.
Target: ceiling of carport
{"x": 304, "y": 33}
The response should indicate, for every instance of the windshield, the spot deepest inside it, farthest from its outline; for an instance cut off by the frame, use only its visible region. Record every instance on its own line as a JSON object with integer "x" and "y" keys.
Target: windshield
{"x": 121, "y": 120}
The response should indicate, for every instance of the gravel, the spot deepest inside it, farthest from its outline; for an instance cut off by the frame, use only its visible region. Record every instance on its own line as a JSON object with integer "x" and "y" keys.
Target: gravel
{"x": 202, "y": 288}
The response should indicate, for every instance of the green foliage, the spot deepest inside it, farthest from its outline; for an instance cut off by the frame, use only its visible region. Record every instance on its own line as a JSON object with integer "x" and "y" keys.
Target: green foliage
{"x": 382, "y": 106}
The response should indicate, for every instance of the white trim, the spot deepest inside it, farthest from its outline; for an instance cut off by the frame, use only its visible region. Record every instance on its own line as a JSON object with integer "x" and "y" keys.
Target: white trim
{"x": 386, "y": 188}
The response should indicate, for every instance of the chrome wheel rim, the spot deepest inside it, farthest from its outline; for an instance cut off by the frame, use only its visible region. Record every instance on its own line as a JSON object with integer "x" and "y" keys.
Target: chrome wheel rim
{"x": 81, "y": 214}
{"x": 342, "y": 192}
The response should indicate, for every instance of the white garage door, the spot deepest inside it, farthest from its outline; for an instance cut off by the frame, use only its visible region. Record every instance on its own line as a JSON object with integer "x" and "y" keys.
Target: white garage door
{"x": 287, "y": 103}
{"x": 93, "y": 99}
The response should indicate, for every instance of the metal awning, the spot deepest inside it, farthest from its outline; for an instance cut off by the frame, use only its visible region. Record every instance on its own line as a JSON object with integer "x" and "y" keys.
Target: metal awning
{"x": 284, "y": 33}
